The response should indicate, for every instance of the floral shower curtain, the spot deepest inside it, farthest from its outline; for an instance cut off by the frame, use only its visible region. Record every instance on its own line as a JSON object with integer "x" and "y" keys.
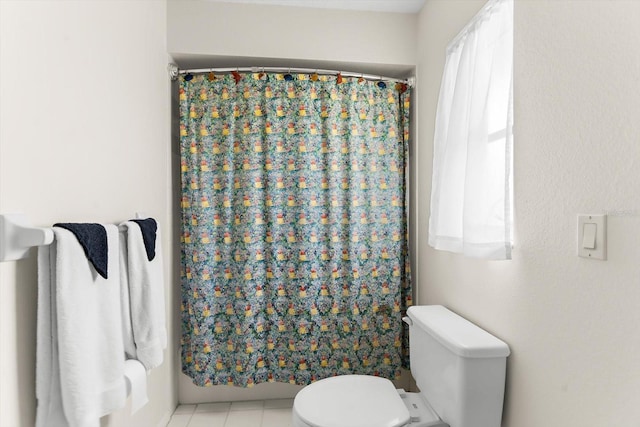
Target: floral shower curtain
{"x": 295, "y": 261}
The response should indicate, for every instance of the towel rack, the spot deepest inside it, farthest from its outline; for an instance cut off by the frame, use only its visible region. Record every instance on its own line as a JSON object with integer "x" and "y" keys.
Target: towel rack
{"x": 17, "y": 236}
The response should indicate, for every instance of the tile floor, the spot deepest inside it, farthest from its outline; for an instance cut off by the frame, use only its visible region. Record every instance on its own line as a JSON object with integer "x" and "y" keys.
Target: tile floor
{"x": 257, "y": 413}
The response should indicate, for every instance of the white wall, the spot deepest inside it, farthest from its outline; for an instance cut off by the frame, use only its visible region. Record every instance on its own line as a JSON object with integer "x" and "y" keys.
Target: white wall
{"x": 205, "y": 34}
{"x": 572, "y": 323}
{"x": 84, "y": 136}
{"x": 211, "y": 33}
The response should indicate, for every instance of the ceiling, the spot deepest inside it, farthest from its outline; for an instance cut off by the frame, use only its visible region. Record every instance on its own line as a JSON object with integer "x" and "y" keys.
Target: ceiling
{"x": 398, "y": 6}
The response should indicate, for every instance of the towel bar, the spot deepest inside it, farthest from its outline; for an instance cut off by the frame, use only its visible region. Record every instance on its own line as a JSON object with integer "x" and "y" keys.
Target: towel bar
{"x": 17, "y": 236}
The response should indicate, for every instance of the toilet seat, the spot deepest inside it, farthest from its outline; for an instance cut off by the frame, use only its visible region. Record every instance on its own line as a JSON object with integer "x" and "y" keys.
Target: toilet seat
{"x": 350, "y": 401}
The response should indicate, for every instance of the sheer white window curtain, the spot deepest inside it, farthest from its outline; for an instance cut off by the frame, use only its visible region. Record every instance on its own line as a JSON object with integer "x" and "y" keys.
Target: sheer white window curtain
{"x": 471, "y": 195}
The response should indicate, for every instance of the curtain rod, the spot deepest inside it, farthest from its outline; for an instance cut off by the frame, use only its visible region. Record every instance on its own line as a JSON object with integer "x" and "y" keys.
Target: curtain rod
{"x": 174, "y": 72}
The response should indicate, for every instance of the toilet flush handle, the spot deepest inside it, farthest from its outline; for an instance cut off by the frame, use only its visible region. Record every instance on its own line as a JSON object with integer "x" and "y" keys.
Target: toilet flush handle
{"x": 407, "y": 320}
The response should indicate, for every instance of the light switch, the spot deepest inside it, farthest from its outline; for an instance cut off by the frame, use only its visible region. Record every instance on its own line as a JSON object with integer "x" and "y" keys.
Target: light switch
{"x": 589, "y": 235}
{"x": 592, "y": 236}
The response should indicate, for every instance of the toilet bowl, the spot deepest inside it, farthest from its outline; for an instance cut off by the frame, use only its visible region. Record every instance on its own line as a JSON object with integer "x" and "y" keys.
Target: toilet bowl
{"x": 458, "y": 367}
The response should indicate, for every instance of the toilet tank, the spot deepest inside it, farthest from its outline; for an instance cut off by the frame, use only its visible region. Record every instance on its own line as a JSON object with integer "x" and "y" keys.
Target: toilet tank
{"x": 458, "y": 367}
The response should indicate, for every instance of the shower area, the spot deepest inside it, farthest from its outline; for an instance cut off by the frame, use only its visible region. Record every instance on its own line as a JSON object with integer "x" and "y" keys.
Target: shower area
{"x": 292, "y": 193}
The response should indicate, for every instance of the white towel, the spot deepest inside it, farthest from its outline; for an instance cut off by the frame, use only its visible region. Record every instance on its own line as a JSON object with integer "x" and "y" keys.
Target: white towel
{"x": 49, "y": 412}
{"x": 145, "y": 281}
{"x": 127, "y": 328}
{"x": 80, "y": 363}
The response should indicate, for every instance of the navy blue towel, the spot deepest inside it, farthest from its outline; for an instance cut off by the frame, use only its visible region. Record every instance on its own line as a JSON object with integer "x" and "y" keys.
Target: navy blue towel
{"x": 93, "y": 239}
{"x": 148, "y": 227}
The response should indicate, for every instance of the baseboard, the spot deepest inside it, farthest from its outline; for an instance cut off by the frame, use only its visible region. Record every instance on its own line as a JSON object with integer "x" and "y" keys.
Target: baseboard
{"x": 165, "y": 419}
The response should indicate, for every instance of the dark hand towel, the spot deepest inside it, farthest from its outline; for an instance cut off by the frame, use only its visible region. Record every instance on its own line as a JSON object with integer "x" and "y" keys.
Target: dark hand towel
{"x": 93, "y": 239}
{"x": 148, "y": 227}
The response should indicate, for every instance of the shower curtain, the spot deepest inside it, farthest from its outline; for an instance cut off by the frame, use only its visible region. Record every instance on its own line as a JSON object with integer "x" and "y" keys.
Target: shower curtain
{"x": 295, "y": 262}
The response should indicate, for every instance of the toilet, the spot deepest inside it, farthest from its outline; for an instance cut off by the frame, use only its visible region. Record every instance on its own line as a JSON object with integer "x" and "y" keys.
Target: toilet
{"x": 459, "y": 368}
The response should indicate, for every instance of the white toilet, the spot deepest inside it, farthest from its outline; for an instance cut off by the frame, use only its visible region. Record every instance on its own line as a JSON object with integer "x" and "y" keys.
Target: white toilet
{"x": 459, "y": 368}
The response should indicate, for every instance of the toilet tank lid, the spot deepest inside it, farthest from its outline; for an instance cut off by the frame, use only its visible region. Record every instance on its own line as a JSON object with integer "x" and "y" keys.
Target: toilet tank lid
{"x": 456, "y": 333}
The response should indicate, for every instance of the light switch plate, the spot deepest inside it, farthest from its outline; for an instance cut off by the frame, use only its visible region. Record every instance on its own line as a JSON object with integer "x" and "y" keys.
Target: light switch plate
{"x": 600, "y": 249}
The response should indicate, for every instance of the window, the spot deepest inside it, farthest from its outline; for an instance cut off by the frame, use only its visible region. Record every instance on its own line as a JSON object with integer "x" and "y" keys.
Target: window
{"x": 471, "y": 196}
